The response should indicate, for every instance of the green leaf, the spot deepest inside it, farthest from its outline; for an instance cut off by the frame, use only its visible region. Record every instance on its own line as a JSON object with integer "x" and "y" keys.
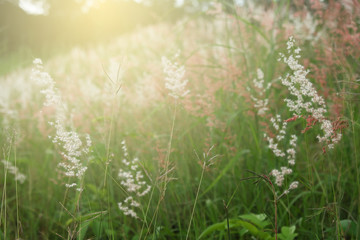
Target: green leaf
{"x": 213, "y": 228}
{"x": 257, "y": 219}
{"x": 86, "y": 217}
{"x": 253, "y": 230}
{"x": 235, "y": 223}
{"x": 83, "y": 229}
{"x": 287, "y": 233}
{"x": 349, "y": 227}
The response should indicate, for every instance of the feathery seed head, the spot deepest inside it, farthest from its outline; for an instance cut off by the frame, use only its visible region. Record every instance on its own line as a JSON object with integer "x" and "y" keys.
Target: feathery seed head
{"x": 174, "y": 78}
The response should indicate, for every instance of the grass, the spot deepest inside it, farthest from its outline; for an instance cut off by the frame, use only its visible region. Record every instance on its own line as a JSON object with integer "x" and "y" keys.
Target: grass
{"x": 220, "y": 61}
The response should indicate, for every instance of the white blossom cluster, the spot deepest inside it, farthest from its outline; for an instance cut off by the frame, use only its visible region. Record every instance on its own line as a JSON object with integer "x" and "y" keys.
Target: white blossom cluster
{"x": 72, "y": 148}
{"x": 44, "y": 80}
{"x": 174, "y": 78}
{"x": 279, "y": 175}
{"x": 307, "y": 101}
{"x": 132, "y": 179}
{"x": 290, "y": 153}
{"x": 14, "y": 170}
{"x": 260, "y": 103}
{"x": 292, "y": 186}
{"x": 279, "y": 126}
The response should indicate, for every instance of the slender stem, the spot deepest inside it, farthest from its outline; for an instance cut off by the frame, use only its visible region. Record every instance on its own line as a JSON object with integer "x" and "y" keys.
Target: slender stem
{"x": 355, "y": 153}
{"x": 196, "y": 198}
{"x": 153, "y": 218}
{"x": 167, "y": 163}
{"x": 64, "y": 200}
{"x": 17, "y": 199}
{"x": 146, "y": 213}
{"x": 276, "y": 198}
{"x": 275, "y": 205}
{"x": 275, "y": 209}
{"x": 109, "y": 139}
{"x": 227, "y": 219}
{"x": 3, "y": 201}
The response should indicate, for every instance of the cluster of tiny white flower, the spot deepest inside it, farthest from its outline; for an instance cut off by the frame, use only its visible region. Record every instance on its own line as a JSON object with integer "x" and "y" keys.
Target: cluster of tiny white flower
{"x": 307, "y": 101}
{"x": 14, "y": 170}
{"x": 260, "y": 102}
{"x": 279, "y": 175}
{"x": 292, "y": 186}
{"x": 44, "y": 79}
{"x": 133, "y": 182}
{"x": 291, "y": 152}
{"x": 280, "y": 126}
{"x": 174, "y": 78}
{"x": 72, "y": 147}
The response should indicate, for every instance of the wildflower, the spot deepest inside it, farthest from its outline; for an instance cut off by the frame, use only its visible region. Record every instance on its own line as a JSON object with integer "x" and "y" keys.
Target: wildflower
{"x": 174, "y": 78}
{"x": 44, "y": 79}
{"x": 260, "y": 102}
{"x": 14, "y": 170}
{"x": 293, "y": 185}
{"x": 279, "y": 175}
{"x": 290, "y": 153}
{"x": 132, "y": 180}
{"x": 280, "y": 127}
{"x": 307, "y": 101}
{"x": 72, "y": 148}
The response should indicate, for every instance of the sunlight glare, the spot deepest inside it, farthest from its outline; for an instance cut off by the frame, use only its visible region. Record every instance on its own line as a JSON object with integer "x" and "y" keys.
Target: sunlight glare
{"x": 34, "y": 7}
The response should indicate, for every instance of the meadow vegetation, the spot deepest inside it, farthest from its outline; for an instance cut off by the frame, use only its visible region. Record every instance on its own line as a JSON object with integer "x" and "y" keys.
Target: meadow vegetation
{"x": 236, "y": 124}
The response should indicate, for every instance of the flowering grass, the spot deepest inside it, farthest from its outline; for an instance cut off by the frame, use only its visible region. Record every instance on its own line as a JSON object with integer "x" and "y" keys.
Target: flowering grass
{"x": 124, "y": 124}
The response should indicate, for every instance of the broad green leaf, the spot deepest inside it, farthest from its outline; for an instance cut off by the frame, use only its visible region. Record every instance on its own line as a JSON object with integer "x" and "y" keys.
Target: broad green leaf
{"x": 236, "y": 223}
{"x": 287, "y": 233}
{"x": 348, "y": 227}
{"x": 253, "y": 230}
{"x": 213, "y": 228}
{"x": 258, "y": 219}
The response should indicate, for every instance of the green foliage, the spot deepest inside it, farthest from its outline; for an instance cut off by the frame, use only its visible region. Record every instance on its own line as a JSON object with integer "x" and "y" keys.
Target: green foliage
{"x": 287, "y": 233}
{"x": 348, "y": 227}
{"x": 252, "y": 225}
{"x": 221, "y": 54}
